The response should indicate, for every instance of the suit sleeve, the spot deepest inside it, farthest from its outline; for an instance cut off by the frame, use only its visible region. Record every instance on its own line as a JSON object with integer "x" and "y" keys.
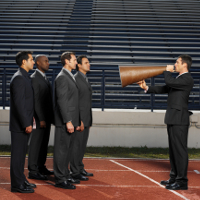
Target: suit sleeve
{"x": 81, "y": 103}
{"x": 38, "y": 100}
{"x": 178, "y": 83}
{"x": 18, "y": 92}
{"x": 158, "y": 89}
{"x": 62, "y": 95}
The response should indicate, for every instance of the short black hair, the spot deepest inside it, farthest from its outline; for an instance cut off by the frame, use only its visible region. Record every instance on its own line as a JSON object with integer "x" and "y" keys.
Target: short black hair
{"x": 79, "y": 60}
{"x": 66, "y": 55}
{"x": 22, "y": 55}
{"x": 186, "y": 59}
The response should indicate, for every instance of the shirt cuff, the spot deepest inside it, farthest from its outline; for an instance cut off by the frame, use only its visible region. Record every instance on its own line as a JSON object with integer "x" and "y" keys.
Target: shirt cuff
{"x": 146, "y": 89}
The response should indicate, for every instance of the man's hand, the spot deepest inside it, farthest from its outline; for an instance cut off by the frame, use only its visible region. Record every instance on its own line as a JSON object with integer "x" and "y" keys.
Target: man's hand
{"x": 143, "y": 85}
{"x": 70, "y": 127}
{"x": 42, "y": 124}
{"x": 81, "y": 127}
{"x": 170, "y": 68}
{"x": 29, "y": 129}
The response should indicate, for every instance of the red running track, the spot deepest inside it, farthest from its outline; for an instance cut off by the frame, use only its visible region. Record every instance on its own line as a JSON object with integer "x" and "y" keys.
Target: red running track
{"x": 113, "y": 179}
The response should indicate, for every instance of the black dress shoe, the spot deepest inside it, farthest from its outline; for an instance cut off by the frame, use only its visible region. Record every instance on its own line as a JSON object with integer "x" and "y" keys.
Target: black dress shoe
{"x": 45, "y": 171}
{"x": 170, "y": 181}
{"x": 177, "y": 186}
{"x": 37, "y": 176}
{"x": 84, "y": 173}
{"x": 81, "y": 177}
{"x": 29, "y": 185}
{"x": 22, "y": 189}
{"x": 65, "y": 185}
{"x": 72, "y": 180}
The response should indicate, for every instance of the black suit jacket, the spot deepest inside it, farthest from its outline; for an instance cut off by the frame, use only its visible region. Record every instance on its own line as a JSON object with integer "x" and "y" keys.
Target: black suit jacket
{"x": 43, "y": 108}
{"x": 21, "y": 101}
{"x": 178, "y": 90}
{"x": 85, "y": 99}
{"x": 66, "y": 100}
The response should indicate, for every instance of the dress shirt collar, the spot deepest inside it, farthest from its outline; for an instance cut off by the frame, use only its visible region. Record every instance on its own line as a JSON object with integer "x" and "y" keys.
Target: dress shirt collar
{"x": 69, "y": 73}
{"x": 43, "y": 74}
{"x": 182, "y": 74}
{"x": 82, "y": 74}
{"x": 24, "y": 72}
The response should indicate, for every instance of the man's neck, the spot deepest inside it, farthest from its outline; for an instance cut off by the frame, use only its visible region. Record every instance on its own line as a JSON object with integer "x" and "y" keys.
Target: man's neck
{"x": 84, "y": 72}
{"x": 183, "y": 72}
{"x": 41, "y": 70}
{"x": 25, "y": 68}
{"x": 67, "y": 67}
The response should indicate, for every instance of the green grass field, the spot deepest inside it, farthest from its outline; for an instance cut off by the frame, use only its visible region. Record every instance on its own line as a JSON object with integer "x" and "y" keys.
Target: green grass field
{"x": 120, "y": 152}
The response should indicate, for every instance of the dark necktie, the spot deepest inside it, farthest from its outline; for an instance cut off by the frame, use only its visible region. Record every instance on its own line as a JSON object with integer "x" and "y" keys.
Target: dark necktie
{"x": 86, "y": 79}
{"x": 47, "y": 80}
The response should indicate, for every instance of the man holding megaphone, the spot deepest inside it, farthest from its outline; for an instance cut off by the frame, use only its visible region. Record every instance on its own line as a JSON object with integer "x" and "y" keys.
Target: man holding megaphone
{"x": 176, "y": 118}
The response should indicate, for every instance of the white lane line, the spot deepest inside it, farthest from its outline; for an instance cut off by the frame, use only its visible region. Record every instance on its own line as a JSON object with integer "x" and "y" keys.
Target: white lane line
{"x": 176, "y": 193}
{"x": 119, "y": 186}
{"x": 196, "y": 171}
{"x": 102, "y": 170}
{"x": 106, "y": 186}
{"x": 117, "y": 159}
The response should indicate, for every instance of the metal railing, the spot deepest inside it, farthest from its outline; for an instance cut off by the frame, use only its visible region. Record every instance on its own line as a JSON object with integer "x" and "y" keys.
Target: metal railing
{"x": 107, "y": 90}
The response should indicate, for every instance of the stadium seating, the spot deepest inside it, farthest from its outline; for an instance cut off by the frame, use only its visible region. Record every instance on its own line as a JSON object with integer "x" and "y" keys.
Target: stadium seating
{"x": 111, "y": 33}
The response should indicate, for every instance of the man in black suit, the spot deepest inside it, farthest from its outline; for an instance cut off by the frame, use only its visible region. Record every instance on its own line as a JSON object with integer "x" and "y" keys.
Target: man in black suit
{"x": 44, "y": 116}
{"x": 21, "y": 120}
{"x": 67, "y": 122}
{"x": 85, "y": 106}
{"x": 176, "y": 118}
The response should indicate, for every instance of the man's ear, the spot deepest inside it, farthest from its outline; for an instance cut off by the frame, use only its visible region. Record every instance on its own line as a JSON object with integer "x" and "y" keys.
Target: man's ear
{"x": 23, "y": 62}
{"x": 185, "y": 65}
{"x": 66, "y": 61}
{"x": 79, "y": 65}
{"x": 37, "y": 63}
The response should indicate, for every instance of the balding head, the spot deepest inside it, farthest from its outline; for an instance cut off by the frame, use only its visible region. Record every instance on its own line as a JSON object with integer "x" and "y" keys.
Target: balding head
{"x": 42, "y": 63}
{"x": 38, "y": 57}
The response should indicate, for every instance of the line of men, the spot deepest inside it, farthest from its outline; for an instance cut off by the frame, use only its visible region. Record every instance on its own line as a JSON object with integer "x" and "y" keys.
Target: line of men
{"x": 73, "y": 114}
{"x": 31, "y": 105}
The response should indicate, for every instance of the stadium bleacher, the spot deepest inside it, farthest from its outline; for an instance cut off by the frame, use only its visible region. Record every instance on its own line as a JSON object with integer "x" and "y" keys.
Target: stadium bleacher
{"x": 111, "y": 33}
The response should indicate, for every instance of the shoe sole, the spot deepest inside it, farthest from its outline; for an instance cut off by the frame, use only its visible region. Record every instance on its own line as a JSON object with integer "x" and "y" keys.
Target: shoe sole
{"x": 74, "y": 183}
{"x": 87, "y": 175}
{"x": 178, "y": 189}
{"x": 30, "y": 186}
{"x": 166, "y": 183}
{"x": 16, "y": 190}
{"x": 81, "y": 179}
{"x": 65, "y": 188}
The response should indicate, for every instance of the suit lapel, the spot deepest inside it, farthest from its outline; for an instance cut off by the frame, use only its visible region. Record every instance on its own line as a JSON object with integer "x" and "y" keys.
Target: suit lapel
{"x": 84, "y": 80}
{"x": 25, "y": 75}
{"x": 42, "y": 78}
{"x": 68, "y": 75}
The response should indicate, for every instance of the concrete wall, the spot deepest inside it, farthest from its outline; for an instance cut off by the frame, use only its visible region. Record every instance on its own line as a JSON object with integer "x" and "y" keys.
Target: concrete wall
{"x": 130, "y": 128}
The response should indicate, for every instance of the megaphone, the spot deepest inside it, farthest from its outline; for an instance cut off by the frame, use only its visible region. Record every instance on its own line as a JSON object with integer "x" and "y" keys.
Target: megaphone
{"x": 134, "y": 74}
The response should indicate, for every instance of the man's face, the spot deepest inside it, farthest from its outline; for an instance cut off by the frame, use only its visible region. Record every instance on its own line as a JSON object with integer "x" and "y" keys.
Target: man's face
{"x": 43, "y": 64}
{"x": 85, "y": 67}
{"x": 29, "y": 63}
{"x": 178, "y": 65}
{"x": 73, "y": 62}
